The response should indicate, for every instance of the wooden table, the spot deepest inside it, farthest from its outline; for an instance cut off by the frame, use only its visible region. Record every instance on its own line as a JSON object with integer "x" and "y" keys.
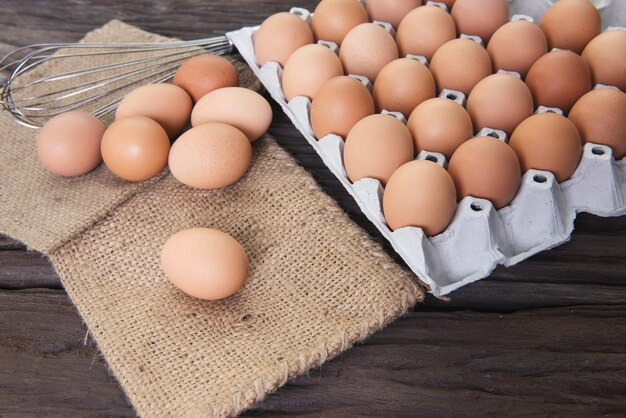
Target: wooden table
{"x": 546, "y": 337}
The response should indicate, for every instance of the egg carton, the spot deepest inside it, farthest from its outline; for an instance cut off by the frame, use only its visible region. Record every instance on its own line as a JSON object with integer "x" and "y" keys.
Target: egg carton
{"x": 479, "y": 237}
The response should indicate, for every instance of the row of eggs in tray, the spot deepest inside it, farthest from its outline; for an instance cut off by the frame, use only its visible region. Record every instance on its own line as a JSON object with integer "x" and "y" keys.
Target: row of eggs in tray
{"x": 370, "y": 111}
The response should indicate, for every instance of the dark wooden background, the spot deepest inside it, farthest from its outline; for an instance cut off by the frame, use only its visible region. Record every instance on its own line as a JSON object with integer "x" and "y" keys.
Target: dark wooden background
{"x": 546, "y": 337}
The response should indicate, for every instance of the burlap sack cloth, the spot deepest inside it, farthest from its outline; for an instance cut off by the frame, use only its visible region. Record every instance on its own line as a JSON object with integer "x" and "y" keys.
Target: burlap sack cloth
{"x": 318, "y": 284}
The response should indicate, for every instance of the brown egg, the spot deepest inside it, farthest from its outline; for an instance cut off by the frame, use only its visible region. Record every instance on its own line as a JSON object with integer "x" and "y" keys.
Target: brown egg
{"x": 339, "y": 105}
{"x": 375, "y": 147}
{"x": 459, "y": 65}
{"x": 308, "y": 69}
{"x": 422, "y": 194}
{"x": 600, "y": 117}
{"x": 204, "y": 73}
{"x": 69, "y": 143}
{"x": 558, "y": 79}
{"x": 547, "y": 141}
{"x": 135, "y": 148}
{"x": 204, "y": 263}
{"x": 424, "y": 30}
{"x": 210, "y": 156}
{"x": 605, "y": 57}
{"x": 480, "y": 17}
{"x": 166, "y": 104}
{"x": 366, "y": 49}
{"x": 403, "y": 84}
{"x": 571, "y": 24}
{"x": 486, "y": 168}
{"x": 516, "y": 46}
{"x": 440, "y": 125}
{"x": 500, "y": 101}
{"x": 242, "y": 108}
{"x": 391, "y": 11}
{"x": 333, "y": 19}
{"x": 279, "y": 36}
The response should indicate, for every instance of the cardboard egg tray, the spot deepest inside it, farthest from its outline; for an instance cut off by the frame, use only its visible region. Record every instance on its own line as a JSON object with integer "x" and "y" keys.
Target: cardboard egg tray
{"x": 479, "y": 237}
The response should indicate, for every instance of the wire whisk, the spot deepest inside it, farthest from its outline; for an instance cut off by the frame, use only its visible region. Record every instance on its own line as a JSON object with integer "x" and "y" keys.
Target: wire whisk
{"x": 32, "y": 94}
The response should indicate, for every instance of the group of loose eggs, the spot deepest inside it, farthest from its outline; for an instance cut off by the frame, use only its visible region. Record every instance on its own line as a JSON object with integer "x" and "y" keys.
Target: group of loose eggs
{"x": 214, "y": 153}
{"x": 376, "y": 65}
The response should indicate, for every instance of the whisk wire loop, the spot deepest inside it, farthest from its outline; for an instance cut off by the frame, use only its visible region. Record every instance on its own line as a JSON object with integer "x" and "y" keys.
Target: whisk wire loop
{"x": 32, "y": 95}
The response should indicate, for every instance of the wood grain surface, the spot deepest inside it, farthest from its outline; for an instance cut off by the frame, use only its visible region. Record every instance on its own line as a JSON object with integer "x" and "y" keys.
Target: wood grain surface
{"x": 544, "y": 338}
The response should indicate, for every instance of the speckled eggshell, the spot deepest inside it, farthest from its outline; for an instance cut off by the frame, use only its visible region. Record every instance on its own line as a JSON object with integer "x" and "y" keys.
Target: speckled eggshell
{"x": 69, "y": 144}
{"x": 307, "y": 69}
{"x": 480, "y": 17}
{"x": 548, "y": 141}
{"x": 459, "y": 65}
{"x": 606, "y": 57}
{"x": 571, "y": 24}
{"x": 205, "y": 263}
{"x": 424, "y": 30}
{"x": 391, "y": 11}
{"x": 402, "y": 85}
{"x": 516, "y": 46}
{"x": 242, "y": 108}
{"x": 600, "y": 117}
{"x": 210, "y": 156}
{"x": 559, "y": 79}
{"x": 486, "y": 168}
{"x": 204, "y": 73}
{"x": 421, "y": 194}
{"x": 333, "y": 19}
{"x": 135, "y": 148}
{"x": 375, "y": 147}
{"x": 165, "y": 103}
{"x": 339, "y": 104}
{"x": 279, "y": 36}
{"x": 439, "y": 125}
{"x": 366, "y": 49}
{"x": 500, "y": 101}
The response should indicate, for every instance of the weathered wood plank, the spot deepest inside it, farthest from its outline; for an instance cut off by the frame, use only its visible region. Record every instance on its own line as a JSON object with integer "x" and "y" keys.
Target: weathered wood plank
{"x": 34, "y": 21}
{"x": 21, "y": 269}
{"x": 565, "y": 361}
{"x": 45, "y": 366}
{"x": 8, "y": 243}
{"x": 504, "y": 296}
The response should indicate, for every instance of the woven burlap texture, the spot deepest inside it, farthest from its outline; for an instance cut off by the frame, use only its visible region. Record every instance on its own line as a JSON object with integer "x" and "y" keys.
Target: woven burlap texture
{"x": 318, "y": 284}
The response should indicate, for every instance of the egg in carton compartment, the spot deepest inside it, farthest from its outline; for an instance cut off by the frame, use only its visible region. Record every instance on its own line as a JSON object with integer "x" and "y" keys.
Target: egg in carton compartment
{"x": 479, "y": 237}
